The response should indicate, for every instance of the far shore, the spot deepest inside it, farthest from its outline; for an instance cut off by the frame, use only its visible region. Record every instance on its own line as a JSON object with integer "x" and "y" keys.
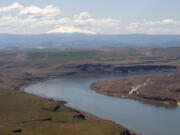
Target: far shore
{"x": 155, "y": 90}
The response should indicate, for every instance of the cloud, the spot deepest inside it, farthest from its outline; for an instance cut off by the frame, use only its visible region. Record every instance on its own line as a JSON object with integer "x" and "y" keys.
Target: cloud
{"x": 165, "y": 26}
{"x": 82, "y": 15}
{"x": 19, "y": 19}
{"x": 33, "y": 19}
{"x": 33, "y": 11}
{"x": 168, "y": 21}
{"x": 70, "y": 29}
{"x": 88, "y": 24}
{"x": 15, "y": 6}
{"x": 84, "y": 23}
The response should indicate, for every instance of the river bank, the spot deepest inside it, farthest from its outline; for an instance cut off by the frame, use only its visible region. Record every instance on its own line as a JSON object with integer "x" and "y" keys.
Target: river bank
{"x": 21, "y": 112}
{"x": 142, "y": 118}
{"x": 81, "y": 114}
{"x": 160, "y": 90}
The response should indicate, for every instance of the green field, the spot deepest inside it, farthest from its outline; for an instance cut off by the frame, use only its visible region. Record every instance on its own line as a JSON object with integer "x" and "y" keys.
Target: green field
{"x": 64, "y": 55}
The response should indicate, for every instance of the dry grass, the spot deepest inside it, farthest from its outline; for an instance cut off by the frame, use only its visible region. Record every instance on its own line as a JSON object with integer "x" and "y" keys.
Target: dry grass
{"x": 29, "y": 113}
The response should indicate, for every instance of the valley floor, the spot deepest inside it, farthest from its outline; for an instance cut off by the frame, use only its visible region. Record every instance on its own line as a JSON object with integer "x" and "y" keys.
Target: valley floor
{"x": 30, "y": 115}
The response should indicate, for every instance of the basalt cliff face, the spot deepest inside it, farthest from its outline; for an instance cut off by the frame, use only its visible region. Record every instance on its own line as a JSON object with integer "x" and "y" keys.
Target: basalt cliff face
{"x": 116, "y": 69}
{"x": 159, "y": 90}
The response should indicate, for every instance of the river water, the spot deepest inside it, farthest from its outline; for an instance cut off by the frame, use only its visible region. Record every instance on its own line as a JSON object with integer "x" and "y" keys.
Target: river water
{"x": 141, "y": 118}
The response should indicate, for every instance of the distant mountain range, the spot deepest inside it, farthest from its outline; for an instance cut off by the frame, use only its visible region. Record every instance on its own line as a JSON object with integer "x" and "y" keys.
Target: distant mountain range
{"x": 84, "y": 41}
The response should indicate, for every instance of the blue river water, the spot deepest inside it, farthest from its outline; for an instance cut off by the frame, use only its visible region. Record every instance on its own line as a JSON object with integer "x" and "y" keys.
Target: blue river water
{"x": 137, "y": 116}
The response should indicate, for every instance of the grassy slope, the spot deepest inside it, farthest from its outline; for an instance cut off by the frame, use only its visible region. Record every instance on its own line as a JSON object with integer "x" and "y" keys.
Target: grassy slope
{"x": 24, "y": 111}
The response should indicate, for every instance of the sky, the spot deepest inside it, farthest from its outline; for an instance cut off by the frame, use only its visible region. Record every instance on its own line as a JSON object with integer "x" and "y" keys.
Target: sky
{"x": 90, "y": 16}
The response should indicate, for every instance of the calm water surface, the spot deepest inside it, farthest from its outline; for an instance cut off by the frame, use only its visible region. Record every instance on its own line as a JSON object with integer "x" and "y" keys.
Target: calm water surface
{"x": 142, "y": 118}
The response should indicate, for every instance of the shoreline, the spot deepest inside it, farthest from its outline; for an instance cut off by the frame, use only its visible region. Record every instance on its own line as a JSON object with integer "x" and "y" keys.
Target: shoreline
{"x": 142, "y": 101}
{"x": 137, "y": 89}
{"x": 87, "y": 115}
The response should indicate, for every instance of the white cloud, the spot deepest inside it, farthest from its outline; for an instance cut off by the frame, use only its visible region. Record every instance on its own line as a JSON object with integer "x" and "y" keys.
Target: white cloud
{"x": 168, "y": 21}
{"x": 33, "y": 19}
{"x": 84, "y": 23}
{"x": 70, "y": 29}
{"x": 82, "y": 15}
{"x": 166, "y": 26}
{"x": 33, "y": 11}
{"x": 18, "y": 19}
{"x": 15, "y": 6}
